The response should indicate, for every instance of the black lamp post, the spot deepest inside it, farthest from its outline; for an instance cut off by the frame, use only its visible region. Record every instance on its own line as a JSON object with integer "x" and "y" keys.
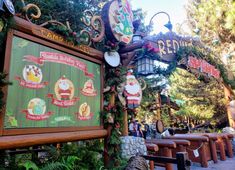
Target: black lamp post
{"x": 168, "y": 24}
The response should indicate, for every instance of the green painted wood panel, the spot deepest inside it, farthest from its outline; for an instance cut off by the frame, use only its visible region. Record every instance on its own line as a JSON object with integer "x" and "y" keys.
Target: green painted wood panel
{"x": 18, "y": 97}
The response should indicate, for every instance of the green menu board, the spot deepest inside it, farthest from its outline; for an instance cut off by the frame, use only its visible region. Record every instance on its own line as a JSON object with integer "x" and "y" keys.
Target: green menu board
{"x": 51, "y": 88}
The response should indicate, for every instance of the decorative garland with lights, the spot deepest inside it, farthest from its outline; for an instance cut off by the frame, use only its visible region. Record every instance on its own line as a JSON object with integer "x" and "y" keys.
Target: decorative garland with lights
{"x": 182, "y": 56}
{"x": 148, "y": 50}
{"x": 113, "y": 114}
{"x": 210, "y": 58}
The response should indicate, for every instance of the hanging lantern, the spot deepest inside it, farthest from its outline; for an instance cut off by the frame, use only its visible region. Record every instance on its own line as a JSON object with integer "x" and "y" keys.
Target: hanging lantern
{"x": 1, "y": 6}
{"x": 144, "y": 65}
{"x": 136, "y": 38}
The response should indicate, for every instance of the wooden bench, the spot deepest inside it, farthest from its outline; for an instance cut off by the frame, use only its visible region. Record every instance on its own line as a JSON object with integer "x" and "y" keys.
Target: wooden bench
{"x": 165, "y": 150}
{"x": 227, "y": 140}
{"x": 196, "y": 142}
{"x": 215, "y": 144}
{"x": 182, "y": 161}
{"x": 151, "y": 148}
{"x": 181, "y": 146}
{"x": 223, "y": 143}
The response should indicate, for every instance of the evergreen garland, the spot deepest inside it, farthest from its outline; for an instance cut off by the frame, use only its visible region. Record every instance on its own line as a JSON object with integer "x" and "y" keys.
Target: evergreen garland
{"x": 7, "y": 22}
{"x": 113, "y": 115}
{"x": 210, "y": 58}
{"x": 184, "y": 52}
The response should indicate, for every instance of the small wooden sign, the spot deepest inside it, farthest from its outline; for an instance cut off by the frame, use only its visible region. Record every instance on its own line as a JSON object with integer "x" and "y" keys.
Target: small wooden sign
{"x": 159, "y": 126}
{"x": 203, "y": 66}
{"x": 169, "y": 43}
{"x": 118, "y": 17}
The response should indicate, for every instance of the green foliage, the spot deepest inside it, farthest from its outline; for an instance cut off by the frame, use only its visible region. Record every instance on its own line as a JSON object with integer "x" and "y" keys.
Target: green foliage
{"x": 63, "y": 10}
{"x": 55, "y": 166}
{"x": 210, "y": 58}
{"x": 83, "y": 155}
{"x": 7, "y": 22}
{"x": 68, "y": 16}
{"x": 3, "y": 83}
{"x": 114, "y": 78}
{"x": 203, "y": 101}
{"x": 29, "y": 165}
{"x": 139, "y": 16}
{"x": 215, "y": 19}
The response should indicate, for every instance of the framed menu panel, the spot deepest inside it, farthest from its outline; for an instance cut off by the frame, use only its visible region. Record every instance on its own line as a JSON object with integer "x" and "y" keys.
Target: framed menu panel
{"x": 53, "y": 88}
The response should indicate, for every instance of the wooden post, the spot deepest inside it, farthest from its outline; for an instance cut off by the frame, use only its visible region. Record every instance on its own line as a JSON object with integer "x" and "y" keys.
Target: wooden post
{"x": 183, "y": 162}
{"x": 125, "y": 123}
{"x": 228, "y": 94}
{"x": 229, "y": 147}
{"x": 213, "y": 151}
{"x": 151, "y": 165}
{"x": 202, "y": 153}
{"x": 169, "y": 107}
{"x": 158, "y": 105}
{"x": 2, "y": 157}
{"x": 109, "y": 130}
{"x": 168, "y": 153}
{"x": 220, "y": 145}
{"x": 182, "y": 148}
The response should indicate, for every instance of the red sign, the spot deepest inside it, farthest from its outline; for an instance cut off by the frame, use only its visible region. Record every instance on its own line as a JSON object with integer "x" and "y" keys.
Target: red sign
{"x": 203, "y": 66}
{"x": 30, "y": 116}
{"x": 30, "y": 85}
{"x": 63, "y": 103}
{"x": 79, "y": 117}
{"x": 59, "y": 58}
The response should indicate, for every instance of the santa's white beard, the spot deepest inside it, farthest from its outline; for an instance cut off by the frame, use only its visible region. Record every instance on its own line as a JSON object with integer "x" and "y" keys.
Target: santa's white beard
{"x": 132, "y": 89}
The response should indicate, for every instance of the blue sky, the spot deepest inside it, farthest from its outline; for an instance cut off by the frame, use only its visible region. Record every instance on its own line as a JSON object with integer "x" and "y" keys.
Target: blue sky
{"x": 175, "y": 8}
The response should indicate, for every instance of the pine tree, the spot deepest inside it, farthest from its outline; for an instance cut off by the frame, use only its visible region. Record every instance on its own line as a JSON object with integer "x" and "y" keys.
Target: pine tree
{"x": 203, "y": 101}
{"x": 215, "y": 19}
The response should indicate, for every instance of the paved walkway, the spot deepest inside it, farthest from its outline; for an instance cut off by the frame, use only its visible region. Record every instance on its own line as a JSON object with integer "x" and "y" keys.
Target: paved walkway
{"x": 229, "y": 164}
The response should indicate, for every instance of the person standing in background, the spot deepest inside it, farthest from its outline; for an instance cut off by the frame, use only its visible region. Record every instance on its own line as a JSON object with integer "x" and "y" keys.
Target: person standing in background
{"x": 133, "y": 127}
{"x": 139, "y": 130}
{"x": 146, "y": 129}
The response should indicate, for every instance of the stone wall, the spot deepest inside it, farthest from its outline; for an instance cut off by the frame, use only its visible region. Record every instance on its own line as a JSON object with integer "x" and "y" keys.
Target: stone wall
{"x": 132, "y": 146}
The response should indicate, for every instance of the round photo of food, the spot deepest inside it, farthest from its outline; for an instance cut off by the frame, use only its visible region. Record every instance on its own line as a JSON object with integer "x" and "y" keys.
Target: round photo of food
{"x": 36, "y": 106}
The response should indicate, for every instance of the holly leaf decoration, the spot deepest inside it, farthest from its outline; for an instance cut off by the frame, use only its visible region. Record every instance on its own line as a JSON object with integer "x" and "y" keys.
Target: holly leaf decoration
{"x": 13, "y": 121}
{"x": 9, "y": 113}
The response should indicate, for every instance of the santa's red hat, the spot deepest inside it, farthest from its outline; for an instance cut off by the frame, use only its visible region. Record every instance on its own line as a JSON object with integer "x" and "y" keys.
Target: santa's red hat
{"x": 129, "y": 75}
{"x": 63, "y": 77}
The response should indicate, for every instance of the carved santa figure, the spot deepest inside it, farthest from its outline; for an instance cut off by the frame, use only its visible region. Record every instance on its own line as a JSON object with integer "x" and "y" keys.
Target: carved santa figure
{"x": 132, "y": 91}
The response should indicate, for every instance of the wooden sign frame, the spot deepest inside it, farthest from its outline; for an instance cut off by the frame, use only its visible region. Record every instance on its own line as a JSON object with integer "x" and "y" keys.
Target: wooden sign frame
{"x": 12, "y": 138}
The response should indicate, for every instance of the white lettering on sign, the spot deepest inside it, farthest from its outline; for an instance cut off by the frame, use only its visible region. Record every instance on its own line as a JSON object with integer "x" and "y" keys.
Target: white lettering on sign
{"x": 161, "y": 46}
{"x": 170, "y": 46}
{"x": 175, "y": 45}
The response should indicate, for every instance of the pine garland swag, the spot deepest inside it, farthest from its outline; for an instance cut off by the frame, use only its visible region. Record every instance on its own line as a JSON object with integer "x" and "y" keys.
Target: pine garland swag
{"x": 113, "y": 115}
